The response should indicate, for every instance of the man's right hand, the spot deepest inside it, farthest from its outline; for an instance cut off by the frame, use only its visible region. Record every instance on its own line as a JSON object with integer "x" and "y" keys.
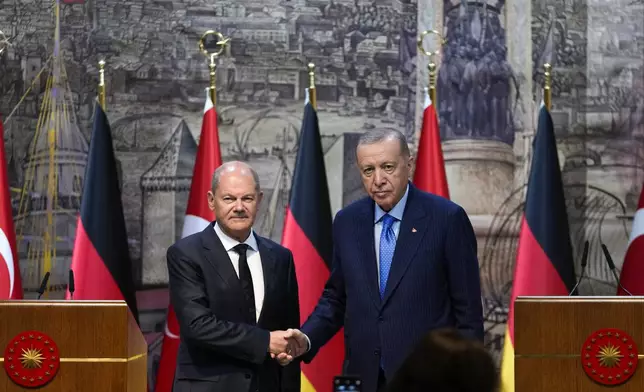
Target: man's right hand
{"x": 298, "y": 344}
{"x": 279, "y": 344}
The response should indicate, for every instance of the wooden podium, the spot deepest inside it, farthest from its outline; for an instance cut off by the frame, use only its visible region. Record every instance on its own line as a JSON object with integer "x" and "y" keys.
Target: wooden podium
{"x": 100, "y": 347}
{"x": 553, "y": 345}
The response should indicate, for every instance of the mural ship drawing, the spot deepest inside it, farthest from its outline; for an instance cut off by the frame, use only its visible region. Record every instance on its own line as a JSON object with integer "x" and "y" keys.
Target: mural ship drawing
{"x": 47, "y": 202}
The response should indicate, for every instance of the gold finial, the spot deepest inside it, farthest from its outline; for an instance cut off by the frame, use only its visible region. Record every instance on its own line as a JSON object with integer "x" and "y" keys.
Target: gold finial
{"x": 212, "y": 56}
{"x": 432, "y": 65}
{"x": 101, "y": 83}
{"x": 547, "y": 96}
{"x": 312, "y": 90}
{"x": 432, "y": 82}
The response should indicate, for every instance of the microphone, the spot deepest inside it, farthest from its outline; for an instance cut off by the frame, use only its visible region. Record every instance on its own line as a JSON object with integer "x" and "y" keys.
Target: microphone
{"x": 70, "y": 286}
{"x": 43, "y": 285}
{"x": 611, "y": 265}
{"x": 584, "y": 262}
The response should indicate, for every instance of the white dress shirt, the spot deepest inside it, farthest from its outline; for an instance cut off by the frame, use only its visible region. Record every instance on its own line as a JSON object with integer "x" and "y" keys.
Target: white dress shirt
{"x": 254, "y": 264}
{"x": 396, "y": 212}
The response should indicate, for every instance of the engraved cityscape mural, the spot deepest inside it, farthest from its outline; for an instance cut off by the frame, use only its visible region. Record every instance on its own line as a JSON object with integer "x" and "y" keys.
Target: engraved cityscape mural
{"x": 364, "y": 53}
{"x": 365, "y": 57}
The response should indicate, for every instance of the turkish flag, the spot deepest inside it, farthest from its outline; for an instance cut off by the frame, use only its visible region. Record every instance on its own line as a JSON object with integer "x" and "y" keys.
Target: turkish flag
{"x": 429, "y": 175}
{"x": 10, "y": 282}
{"x": 198, "y": 216}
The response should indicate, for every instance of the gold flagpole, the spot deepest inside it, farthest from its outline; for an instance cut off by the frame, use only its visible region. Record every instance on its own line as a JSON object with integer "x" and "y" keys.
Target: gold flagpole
{"x": 101, "y": 84}
{"x": 547, "y": 92}
{"x": 312, "y": 91}
{"x": 213, "y": 80}
{"x": 212, "y": 57}
{"x": 432, "y": 68}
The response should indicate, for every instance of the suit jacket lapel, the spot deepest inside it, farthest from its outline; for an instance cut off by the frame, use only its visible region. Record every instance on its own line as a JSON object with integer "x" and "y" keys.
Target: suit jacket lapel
{"x": 217, "y": 256}
{"x": 267, "y": 255}
{"x": 412, "y": 230}
{"x": 364, "y": 229}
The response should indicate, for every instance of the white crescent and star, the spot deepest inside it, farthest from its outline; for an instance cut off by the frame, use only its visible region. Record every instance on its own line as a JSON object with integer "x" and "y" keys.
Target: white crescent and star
{"x": 169, "y": 333}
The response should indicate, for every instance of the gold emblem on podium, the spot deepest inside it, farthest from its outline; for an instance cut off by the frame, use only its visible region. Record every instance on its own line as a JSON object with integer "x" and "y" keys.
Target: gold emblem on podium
{"x": 31, "y": 359}
{"x": 609, "y": 356}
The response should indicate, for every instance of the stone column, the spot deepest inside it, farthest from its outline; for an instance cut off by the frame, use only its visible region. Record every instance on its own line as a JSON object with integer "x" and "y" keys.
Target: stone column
{"x": 519, "y": 44}
{"x": 478, "y": 111}
{"x": 480, "y": 174}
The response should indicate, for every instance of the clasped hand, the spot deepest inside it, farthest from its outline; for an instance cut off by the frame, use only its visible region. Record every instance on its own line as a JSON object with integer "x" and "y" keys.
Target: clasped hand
{"x": 287, "y": 345}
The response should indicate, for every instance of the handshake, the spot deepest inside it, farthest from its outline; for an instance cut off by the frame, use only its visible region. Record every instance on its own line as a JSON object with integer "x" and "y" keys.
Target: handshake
{"x": 287, "y": 345}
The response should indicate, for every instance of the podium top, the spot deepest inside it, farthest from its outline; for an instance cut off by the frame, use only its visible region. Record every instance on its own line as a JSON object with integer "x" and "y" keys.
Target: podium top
{"x": 82, "y": 328}
{"x": 63, "y": 302}
{"x": 60, "y": 302}
{"x": 581, "y": 298}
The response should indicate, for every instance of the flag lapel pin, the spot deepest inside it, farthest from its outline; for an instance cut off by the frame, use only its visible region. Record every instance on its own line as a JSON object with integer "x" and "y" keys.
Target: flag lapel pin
{"x": 413, "y": 230}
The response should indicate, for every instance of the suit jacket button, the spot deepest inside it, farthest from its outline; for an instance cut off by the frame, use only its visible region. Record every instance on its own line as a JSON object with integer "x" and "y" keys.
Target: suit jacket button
{"x": 381, "y": 319}
{"x": 376, "y": 352}
{"x": 247, "y": 375}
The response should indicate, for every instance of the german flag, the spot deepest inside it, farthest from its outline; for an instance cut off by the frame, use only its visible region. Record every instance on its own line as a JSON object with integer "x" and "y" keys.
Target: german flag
{"x": 544, "y": 265}
{"x": 307, "y": 233}
{"x": 101, "y": 258}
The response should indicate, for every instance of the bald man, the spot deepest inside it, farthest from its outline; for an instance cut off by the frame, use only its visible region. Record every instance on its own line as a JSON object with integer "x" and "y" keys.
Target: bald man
{"x": 234, "y": 293}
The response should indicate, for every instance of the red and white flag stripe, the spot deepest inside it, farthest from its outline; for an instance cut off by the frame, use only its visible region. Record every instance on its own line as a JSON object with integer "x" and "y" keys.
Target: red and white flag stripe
{"x": 632, "y": 275}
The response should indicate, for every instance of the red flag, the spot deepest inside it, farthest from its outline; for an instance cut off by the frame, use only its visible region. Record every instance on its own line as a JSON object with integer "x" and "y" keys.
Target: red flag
{"x": 429, "y": 175}
{"x": 307, "y": 233}
{"x": 101, "y": 260}
{"x": 10, "y": 282}
{"x": 198, "y": 216}
{"x": 632, "y": 273}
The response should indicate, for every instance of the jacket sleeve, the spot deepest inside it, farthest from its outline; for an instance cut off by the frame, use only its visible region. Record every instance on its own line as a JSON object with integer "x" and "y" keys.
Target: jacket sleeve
{"x": 291, "y": 373}
{"x": 328, "y": 317}
{"x": 464, "y": 276}
{"x": 198, "y": 325}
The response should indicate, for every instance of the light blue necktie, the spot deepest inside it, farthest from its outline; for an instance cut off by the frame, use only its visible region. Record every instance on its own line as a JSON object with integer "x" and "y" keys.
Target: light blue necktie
{"x": 387, "y": 247}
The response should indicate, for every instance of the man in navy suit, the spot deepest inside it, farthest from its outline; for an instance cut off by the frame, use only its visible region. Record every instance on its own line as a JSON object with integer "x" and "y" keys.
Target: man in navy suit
{"x": 404, "y": 263}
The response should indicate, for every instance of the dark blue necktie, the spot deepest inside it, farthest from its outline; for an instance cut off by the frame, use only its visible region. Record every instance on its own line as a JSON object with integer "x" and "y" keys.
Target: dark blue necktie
{"x": 387, "y": 247}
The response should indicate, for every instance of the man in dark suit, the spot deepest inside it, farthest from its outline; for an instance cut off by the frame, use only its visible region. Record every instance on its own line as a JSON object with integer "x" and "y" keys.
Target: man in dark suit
{"x": 230, "y": 288}
{"x": 404, "y": 263}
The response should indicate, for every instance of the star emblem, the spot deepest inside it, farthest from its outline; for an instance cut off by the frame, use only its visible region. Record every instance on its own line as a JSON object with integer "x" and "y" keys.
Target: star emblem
{"x": 31, "y": 358}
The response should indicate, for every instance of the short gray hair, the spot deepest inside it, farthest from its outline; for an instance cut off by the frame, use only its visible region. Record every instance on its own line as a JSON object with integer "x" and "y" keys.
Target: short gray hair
{"x": 230, "y": 166}
{"x": 381, "y": 134}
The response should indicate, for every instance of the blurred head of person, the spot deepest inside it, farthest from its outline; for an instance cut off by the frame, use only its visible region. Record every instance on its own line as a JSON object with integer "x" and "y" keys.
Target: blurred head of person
{"x": 445, "y": 361}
